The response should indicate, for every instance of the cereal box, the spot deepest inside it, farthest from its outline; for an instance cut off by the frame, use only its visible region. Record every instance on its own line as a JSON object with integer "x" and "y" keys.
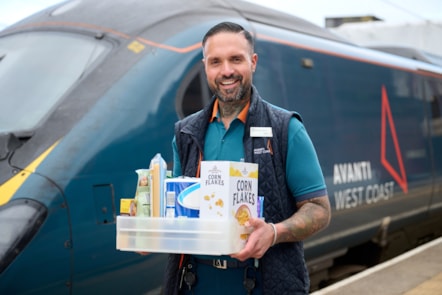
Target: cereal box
{"x": 229, "y": 190}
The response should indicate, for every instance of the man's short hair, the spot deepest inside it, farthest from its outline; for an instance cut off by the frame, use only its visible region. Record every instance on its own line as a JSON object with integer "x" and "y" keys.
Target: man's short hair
{"x": 229, "y": 27}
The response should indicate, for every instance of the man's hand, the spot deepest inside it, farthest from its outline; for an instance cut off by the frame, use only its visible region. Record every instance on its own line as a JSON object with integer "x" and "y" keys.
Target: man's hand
{"x": 312, "y": 216}
{"x": 260, "y": 239}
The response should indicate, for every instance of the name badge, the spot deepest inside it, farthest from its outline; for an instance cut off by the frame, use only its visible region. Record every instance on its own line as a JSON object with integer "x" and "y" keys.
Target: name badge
{"x": 261, "y": 132}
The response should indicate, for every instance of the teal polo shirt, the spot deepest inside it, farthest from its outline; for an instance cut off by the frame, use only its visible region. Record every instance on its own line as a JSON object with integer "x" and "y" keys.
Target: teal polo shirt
{"x": 303, "y": 172}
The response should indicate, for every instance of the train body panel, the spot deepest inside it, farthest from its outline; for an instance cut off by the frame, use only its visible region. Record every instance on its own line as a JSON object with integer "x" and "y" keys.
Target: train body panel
{"x": 373, "y": 144}
{"x": 135, "y": 69}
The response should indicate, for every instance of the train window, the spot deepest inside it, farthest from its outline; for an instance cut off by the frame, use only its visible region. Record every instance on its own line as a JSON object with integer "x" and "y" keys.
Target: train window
{"x": 436, "y": 107}
{"x": 435, "y": 94}
{"x": 36, "y": 70}
{"x": 194, "y": 93}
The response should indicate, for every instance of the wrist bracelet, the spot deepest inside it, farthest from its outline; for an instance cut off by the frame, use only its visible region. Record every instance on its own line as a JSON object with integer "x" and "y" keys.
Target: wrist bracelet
{"x": 274, "y": 234}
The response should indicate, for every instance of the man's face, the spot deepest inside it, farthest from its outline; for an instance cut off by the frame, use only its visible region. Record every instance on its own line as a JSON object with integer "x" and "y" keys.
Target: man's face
{"x": 229, "y": 65}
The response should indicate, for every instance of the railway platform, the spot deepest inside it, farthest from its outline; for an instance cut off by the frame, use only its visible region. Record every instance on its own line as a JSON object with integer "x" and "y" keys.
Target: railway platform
{"x": 417, "y": 272}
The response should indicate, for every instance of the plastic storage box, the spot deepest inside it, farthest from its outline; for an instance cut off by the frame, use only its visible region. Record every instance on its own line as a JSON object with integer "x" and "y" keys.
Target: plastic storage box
{"x": 179, "y": 235}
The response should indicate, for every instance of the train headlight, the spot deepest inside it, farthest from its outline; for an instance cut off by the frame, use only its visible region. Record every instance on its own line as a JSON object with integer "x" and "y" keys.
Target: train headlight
{"x": 19, "y": 221}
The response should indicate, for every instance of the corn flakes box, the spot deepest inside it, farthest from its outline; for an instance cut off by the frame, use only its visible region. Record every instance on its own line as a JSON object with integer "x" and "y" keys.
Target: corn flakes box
{"x": 229, "y": 190}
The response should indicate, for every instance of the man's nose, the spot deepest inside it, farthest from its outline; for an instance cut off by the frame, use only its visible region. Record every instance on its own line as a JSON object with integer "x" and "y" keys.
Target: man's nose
{"x": 227, "y": 69}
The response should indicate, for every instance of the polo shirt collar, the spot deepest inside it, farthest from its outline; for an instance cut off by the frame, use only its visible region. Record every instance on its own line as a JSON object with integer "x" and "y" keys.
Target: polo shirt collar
{"x": 242, "y": 116}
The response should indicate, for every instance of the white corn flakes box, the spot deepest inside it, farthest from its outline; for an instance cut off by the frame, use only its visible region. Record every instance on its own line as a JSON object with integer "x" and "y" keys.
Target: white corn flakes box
{"x": 229, "y": 190}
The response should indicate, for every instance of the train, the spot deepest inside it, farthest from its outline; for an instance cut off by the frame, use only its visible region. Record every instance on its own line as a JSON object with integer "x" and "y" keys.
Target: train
{"x": 90, "y": 91}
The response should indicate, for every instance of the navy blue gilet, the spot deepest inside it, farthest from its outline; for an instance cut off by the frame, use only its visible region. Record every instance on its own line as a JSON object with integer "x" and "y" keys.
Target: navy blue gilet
{"x": 283, "y": 266}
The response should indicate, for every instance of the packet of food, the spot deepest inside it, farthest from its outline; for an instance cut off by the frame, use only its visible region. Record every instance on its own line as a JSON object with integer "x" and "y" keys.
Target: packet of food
{"x": 142, "y": 195}
{"x": 126, "y": 207}
{"x": 229, "y": 191}
{"x": 158, "y": 172}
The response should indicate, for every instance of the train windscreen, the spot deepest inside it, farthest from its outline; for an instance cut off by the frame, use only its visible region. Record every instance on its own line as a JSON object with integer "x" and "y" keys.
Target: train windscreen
{"x": 36, "y": 70}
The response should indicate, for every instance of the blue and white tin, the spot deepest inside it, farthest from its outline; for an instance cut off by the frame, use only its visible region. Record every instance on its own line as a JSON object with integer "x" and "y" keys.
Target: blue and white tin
{"x": 187, "y": 196}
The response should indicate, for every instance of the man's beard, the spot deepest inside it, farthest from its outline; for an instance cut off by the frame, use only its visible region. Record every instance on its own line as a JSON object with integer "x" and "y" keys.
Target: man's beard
{"x": 231, "y": 95}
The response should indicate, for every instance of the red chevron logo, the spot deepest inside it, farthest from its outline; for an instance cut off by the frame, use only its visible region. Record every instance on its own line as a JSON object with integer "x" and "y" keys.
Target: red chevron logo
{"x": 387, "y": 119}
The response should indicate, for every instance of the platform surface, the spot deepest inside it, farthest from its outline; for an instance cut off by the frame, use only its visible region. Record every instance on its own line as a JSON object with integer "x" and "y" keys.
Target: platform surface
{"x": 417, "y": 272}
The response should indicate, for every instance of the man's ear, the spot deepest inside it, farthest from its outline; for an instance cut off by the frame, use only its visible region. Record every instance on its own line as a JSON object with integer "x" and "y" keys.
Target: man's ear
{"x": 254, "y": 61}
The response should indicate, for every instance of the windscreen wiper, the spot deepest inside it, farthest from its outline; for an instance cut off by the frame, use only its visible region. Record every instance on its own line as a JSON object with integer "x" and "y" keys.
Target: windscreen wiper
{"x": 8, "y": 144}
